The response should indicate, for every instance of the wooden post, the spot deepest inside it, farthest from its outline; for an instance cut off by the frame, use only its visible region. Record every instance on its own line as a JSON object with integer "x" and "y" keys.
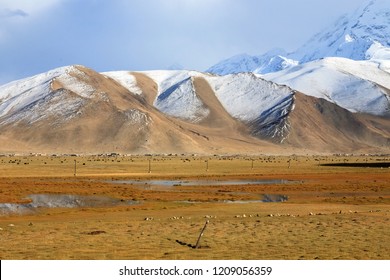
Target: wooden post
{"x": 252, "y": 163}
{"x": 201, "y": 234}
{"x": 74, "y": 167}
{"x": 150, "y": 167}
{"x": 207, "y": 165}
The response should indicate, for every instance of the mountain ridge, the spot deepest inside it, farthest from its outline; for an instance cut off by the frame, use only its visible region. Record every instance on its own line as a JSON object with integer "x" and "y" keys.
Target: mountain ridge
{"x": 75, "y": 109}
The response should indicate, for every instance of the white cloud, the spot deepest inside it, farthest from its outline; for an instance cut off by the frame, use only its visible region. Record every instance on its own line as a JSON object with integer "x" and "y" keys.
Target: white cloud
{"x": 28, "y": 6}
{"x": 151, "y": 34}
{"x": 20, "y": 13}
{"x": 7, "y": 13}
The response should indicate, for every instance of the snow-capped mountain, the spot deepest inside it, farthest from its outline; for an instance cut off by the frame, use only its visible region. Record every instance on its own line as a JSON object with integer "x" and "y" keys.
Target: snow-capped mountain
{"x": 358, "y": 86}
{"x": 347, "y": 64}
{"x": 352, "y": 36}
{"x": 274, "y": 60}
{"x": 244, "y": 96}
{"x": 75, "y": 109}
{"x": 236, "y": 64}
{"x": 331, "y": 95}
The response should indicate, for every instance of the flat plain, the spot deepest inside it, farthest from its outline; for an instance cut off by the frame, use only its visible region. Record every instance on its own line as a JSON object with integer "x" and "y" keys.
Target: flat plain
{"x": 162, "y": 202}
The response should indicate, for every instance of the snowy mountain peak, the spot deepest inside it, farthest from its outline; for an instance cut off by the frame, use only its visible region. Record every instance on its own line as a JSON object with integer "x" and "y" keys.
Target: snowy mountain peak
{"x": 361, "y": 35}
{"x": 274, "y": 64}
{"x": 271, "y": 61}
{"x": 350, "y": 36}
{"x": 236, "y": 64}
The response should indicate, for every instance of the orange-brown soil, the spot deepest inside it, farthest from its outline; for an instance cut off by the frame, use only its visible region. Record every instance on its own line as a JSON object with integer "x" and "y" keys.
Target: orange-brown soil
{"x": 331, "y": 212}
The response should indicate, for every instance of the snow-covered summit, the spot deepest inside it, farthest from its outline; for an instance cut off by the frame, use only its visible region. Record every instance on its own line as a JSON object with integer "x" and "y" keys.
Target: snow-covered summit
{"x": 271, "y": 61}
{"x": 350, "y": 36}
{"x": 236, "y": 64}
{"x": 363, "y": 34}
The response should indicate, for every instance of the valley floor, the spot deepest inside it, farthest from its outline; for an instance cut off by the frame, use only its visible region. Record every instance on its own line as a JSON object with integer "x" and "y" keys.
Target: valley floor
{"x": 331, "y": 212}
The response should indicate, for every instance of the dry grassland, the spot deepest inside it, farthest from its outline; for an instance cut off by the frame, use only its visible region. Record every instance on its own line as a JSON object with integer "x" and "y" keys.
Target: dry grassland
{"x": 331, "y": 212}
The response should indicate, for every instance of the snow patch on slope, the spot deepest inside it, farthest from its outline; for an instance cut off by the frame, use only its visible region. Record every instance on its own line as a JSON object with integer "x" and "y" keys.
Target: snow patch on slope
{"x": 263, "y": 105}
{"x": 246, "y": 96}
{"x": 176, "y": 94}
{"x": 19, "y": 94}
{"x": 180, "y": 100}
{"x": 137, "y": 119}
{"x": 165, "y": 79}
{"x": 126, "y": 79}
{"x": 74, "y": 81}
{"x": 57, "y": 104}
{"x": 274, "y": 123}
{"x": 35, "y": 98}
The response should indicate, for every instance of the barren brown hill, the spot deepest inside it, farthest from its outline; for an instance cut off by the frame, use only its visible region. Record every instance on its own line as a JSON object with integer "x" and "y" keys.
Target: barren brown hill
{"x": 317, "y": 124}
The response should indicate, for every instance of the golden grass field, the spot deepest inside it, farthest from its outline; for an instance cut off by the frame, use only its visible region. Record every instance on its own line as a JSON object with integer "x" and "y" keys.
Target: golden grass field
{"x": 331, "y": 212}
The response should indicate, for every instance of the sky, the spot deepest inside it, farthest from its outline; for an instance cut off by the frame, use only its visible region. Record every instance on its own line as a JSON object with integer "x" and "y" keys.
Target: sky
{"x": 40, "y": 35}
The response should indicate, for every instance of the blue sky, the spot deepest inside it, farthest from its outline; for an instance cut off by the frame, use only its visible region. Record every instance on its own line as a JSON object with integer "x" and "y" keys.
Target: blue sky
{"x": 39, "y": 35}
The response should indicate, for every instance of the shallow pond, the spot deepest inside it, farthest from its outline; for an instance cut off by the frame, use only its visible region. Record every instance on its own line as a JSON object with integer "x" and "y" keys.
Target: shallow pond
{"x": 168, "y": 184}
{"x": 59, "y": 201}
{"x": 265, "y": 198}
{"x": 174, "y": 183}
{"x": 77, "y": 201}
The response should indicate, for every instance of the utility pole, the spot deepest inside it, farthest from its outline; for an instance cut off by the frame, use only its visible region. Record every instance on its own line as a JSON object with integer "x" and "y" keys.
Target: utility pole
{"x": 74, "y": 167}
{"x": 150, "y": 167}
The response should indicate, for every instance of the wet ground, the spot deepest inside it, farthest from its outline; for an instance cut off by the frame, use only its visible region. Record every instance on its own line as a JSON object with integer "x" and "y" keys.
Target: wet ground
{"x": 59, "y": 201}
{"x": 320, "y": 212}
